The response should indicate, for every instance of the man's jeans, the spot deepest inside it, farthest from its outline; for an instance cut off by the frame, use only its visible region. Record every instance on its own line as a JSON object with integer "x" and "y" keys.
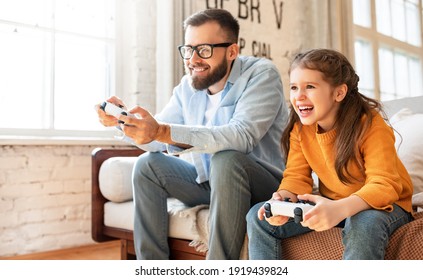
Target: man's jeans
{"x": 236, "y": 182}
{"x": 365, "y": 235}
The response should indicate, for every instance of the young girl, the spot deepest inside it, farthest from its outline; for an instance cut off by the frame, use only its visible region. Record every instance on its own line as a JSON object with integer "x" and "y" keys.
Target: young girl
{"x": 341, "y": 135}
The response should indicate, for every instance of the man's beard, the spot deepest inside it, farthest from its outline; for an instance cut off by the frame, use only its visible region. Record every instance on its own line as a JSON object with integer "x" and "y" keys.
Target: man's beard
{"x": 215, "y": 76}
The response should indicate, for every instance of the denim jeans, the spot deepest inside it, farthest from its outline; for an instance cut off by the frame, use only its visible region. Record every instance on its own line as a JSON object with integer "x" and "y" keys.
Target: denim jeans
{"x": 365, "y": 235}
{"x": 236, "y": 182}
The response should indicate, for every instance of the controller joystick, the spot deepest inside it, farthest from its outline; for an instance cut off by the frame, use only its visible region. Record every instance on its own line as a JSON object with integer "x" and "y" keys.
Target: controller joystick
{"x": 298, "y": 215}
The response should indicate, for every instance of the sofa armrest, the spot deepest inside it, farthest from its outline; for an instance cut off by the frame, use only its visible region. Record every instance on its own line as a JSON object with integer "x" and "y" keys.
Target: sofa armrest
{"x": 98, "y": 156}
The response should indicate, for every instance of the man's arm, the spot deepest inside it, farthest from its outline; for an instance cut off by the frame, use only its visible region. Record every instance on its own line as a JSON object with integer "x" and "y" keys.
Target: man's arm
{"x": 146, "y": 129}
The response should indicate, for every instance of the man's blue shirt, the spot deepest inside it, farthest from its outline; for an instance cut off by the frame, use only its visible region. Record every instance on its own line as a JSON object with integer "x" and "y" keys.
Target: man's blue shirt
{"x": 250, "y": 117}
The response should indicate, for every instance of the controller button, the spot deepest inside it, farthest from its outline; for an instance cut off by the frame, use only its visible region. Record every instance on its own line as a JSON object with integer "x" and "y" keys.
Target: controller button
{"x": 267, "y": 211}
{"x": 298, "y": 215}
{"x": 103, "y": 106}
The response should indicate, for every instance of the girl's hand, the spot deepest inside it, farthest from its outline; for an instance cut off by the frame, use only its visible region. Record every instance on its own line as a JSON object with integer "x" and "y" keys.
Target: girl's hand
{"x": 326, "y": 213}
{"x": 277, "y": 220}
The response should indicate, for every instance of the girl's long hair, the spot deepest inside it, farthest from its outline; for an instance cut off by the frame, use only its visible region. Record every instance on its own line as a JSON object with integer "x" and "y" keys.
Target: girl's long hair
{"x": 349, "y": 124}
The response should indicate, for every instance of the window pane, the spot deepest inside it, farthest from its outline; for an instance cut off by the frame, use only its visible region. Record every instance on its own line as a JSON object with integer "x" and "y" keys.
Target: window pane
{"x": 92, "y": 17}
{"x": 364, "y": 67}
{"x": 361, "y": 12}
{"x": 386, "y": 73}
{"x": 413, "y": 24}
{"x": 398, "y": 20}
{"x": 416, "y": 75}
{"x": 55, "y": 76}
{"x": 81, "y": 80}
{"x": 401, "y": 76}
{"x": 24, "y": 72}
{"x": 383, "y": 17}
{"x": 33, "y": 12}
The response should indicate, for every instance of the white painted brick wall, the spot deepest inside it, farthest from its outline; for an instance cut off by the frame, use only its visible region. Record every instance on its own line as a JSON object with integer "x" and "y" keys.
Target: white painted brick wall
{"x": 45, "y": 198}
{"x": 45, "y": 191}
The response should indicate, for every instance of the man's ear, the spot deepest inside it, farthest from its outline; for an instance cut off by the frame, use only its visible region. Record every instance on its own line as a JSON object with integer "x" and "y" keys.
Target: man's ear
{"x": 233, "y": 51}
{"x": 341, "y": 92}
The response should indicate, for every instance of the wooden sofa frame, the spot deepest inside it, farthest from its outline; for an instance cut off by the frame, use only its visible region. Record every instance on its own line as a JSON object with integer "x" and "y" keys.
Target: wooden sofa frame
{"x": 179, "y": 248}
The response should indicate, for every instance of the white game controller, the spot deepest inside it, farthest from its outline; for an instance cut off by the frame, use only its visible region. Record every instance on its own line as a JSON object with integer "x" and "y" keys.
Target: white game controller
{"x": 114, "y": 110}
{"x": 287, "y": 208}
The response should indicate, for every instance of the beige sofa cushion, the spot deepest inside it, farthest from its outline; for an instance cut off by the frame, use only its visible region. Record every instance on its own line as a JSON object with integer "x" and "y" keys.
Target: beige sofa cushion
{"x": 184, "y": 223}
{"x": 115, "y": 184}
{"x": 115, "y": 178}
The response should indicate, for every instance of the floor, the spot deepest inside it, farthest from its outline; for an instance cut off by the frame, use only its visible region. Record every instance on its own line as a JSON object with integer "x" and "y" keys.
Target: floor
{"x": 100, "y": 251}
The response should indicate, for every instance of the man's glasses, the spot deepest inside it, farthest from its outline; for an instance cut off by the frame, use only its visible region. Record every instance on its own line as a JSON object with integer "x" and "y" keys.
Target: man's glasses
{"x": 204, "y": 50}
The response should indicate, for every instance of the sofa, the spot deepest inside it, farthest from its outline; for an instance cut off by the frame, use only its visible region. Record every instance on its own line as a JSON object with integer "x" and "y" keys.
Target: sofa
{"x": 112, "y": 206}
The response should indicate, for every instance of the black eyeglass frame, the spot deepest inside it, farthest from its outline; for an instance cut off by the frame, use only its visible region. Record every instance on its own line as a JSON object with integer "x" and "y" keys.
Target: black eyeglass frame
{"x": 195, "y": 48}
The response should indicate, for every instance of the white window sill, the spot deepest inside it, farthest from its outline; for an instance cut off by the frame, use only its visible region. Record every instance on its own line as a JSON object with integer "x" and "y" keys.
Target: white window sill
{"x": 11, "y": 140}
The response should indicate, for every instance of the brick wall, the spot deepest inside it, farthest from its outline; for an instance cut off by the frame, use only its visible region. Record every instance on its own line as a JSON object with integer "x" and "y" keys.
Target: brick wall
{"x": 45, "y": 190}
{"x": 45, "y": 201}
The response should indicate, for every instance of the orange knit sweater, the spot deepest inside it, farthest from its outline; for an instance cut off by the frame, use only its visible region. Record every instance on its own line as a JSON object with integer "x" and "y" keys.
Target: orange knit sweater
{"x": 386, "y": 181}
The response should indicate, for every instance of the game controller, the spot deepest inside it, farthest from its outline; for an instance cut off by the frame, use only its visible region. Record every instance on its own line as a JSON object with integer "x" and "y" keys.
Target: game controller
{"x": 114, "y": 110}
{"x": 287, "y": 208}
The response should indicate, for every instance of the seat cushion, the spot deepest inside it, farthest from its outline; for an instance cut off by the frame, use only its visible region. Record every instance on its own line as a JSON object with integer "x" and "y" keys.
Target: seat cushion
{"x": 184, "y": 222}
{"x": 115, "y": 178}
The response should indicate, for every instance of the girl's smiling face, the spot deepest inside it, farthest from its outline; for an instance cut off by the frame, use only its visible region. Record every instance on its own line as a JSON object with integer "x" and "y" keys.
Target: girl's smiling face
{"x": 314, "y": 99}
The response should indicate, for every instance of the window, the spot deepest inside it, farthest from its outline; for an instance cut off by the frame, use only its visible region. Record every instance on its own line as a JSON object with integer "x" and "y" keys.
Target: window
{"x": 388, "y": 47}
{"x": 57, "y": 61}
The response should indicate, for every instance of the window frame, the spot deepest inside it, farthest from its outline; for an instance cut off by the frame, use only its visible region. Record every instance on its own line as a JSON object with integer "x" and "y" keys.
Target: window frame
{"x": 50, "y": 133}
{"x": 378, "y": 40}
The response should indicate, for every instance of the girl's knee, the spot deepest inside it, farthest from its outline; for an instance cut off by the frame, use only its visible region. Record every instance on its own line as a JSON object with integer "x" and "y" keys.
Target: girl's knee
{"x": 366, "y": 223}
{"x": 252, "y": 213}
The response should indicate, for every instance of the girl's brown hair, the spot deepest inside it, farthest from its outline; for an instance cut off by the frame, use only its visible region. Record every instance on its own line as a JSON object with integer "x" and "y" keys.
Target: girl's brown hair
{"x": 349, "y": 124}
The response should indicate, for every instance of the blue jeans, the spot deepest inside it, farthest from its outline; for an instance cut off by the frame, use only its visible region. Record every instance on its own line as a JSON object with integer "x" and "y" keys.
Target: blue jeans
{"x": 364, "y": 236}
{"x": 236, "y": 182}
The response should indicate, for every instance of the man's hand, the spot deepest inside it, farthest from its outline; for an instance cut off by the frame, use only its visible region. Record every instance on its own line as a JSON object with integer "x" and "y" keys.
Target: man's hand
{"x": 144, "y": 129}
{"x": 105, "y": 119}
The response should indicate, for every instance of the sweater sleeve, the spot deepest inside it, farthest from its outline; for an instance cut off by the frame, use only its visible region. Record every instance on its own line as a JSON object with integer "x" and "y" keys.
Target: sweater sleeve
{"x": 297, "y": 175}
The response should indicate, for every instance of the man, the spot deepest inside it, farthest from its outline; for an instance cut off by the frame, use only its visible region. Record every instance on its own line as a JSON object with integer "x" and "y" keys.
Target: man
{"x": 225, "y": 120}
